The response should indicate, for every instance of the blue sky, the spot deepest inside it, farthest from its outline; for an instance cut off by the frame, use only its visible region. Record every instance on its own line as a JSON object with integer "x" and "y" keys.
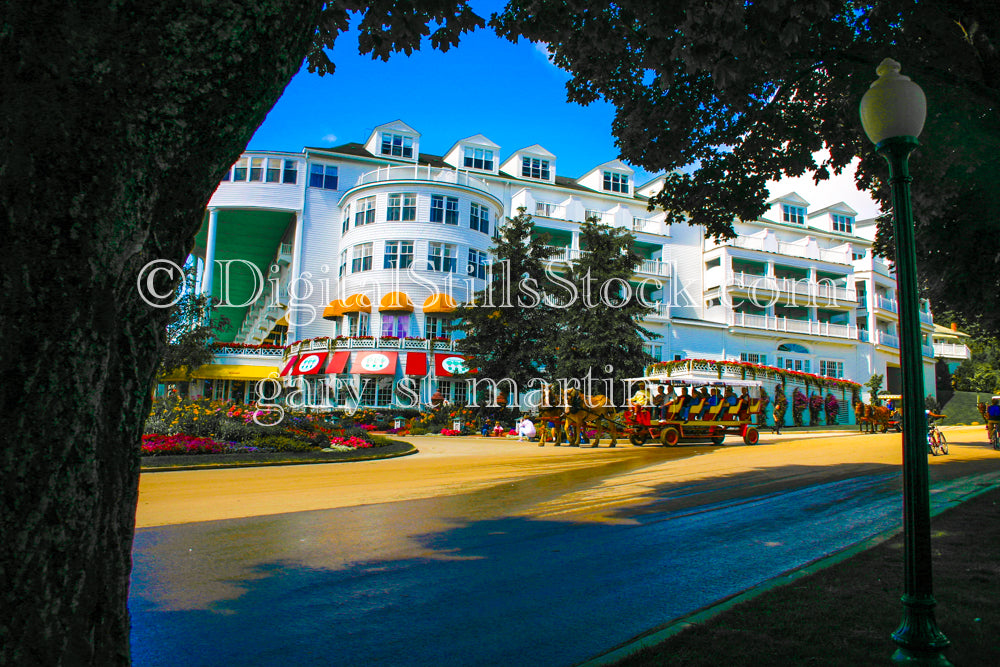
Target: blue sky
{"x": 508, "y": 92}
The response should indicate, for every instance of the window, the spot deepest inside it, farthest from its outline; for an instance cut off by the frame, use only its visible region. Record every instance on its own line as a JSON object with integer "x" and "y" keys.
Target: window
{"x": 397, "y": 145}
{"x": 793, "y": 347}
{"x": 362, "y": 257}
{"x": 395, "y": 325}
{"x": 240, "y": 170}
{"x": 257, "y": 169}
{"x": 273, "y": 171}
{"x": 454, "y": 391}
{"x": 532, "y": 167}
{"x": 655, "y": 350}
{"x": 753, "y": 358}
{"x": 437, "y": 327}
{"x": 588, "y": 214}
{"x": 479, "y": 158}
{"x": 833, "y": 369}
{"x": 544, "y": 208}
{"x": 290, "y": 173}
{"x": 357, "y": 324}
{"x": 364, "y": 211}
{"x": 323, "y": 176}
{"x": 794, "y": 214}
{"x": 477, "y": 264}
{"x": 343, "y": 263}
{"x": 444, "y": 209}
{"x": 856, "y": 255}
{"x": 842, "y": 223}
{"x": 398, "y": 254}
{"x": 801, "y": 365}
{"x": 441, "y": 257}
{"x": 614, "y": 182}
{"x": 402, "y": 206}
{"x": 479, "y": 218}
{"x": 712, "y": 263}
{"x": 345, "y": 223}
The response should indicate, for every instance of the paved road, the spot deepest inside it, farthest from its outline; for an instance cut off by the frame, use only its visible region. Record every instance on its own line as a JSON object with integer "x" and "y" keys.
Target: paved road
{"x": 483, "y": 552}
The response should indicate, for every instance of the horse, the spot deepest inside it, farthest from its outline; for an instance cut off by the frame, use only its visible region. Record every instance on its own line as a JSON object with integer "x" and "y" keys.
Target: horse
{"x": 582, "y": 411}
{"x": 550, "y": 411}
{"x": 872, "y": 416}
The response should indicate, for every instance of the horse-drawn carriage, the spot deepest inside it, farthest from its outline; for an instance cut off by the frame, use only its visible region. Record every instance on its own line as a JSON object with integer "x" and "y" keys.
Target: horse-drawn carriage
{"x": 711, "y": 412}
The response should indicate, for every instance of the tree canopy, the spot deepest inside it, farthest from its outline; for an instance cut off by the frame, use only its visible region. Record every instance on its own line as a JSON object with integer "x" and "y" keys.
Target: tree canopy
{"x": 726, "y": 95}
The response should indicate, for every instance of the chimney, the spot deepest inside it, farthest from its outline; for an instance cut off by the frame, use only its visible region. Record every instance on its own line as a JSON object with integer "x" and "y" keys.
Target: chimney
{"x": 954, "y": 326}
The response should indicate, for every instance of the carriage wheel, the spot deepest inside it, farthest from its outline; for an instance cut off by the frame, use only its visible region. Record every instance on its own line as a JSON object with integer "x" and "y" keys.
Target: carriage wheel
{"x": 718, "y": 439}
{"x": 751, "y": 436}
{"x": 670, "y": 436}
{"x": 638, "y": 438}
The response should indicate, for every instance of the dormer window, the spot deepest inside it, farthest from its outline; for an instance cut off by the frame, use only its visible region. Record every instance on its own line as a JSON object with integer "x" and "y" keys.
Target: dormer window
{"x": 793, "y": 214}
{"x": 615, "y": 182}
{"x": 842, "y": 223}
{"x": 397, "y": 145}
{"x": 478, "y": 158}
{"x": 533, "y": 167}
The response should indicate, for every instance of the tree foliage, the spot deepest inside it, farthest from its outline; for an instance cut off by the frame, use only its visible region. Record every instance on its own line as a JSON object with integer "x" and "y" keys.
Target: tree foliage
{"x": 509, "y": 326}
{"x": 981, "y": 371}
{"x": 191, "y": 329}
{"x": 600, "y": 334}
{"x": 726, "y": 95}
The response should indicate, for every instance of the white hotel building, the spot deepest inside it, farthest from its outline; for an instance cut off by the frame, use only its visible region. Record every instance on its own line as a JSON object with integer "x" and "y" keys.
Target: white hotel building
{"x": 377, "y": 232}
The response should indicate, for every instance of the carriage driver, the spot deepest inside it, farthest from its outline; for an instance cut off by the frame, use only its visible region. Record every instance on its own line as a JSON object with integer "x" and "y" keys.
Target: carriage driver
{"x": 639, "y": 400}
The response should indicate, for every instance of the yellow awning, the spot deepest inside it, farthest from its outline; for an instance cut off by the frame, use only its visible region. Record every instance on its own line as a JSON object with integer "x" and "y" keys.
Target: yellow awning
{"x": 439, "y": 303}
{"x": 334, "y": 310}
{"x": 357, "y": 303}
{"x": 396, "y": 301}
{"x": 283, "y": 321}
{"x": 223, "y": 372}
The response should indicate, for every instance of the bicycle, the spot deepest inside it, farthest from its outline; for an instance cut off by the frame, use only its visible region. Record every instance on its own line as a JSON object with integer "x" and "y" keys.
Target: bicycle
{"x": 936, "y": 442}
{"x": 994, "y": 431}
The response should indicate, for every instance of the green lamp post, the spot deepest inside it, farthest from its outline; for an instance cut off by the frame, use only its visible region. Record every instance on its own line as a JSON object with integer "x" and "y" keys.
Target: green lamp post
{"x": 893, "y": 112}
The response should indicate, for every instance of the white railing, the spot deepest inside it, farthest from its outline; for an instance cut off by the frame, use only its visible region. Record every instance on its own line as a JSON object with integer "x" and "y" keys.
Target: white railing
{"x": 926, "y": 317}
{"x": 645, "y": 225}
{"x": 367, "y": 343}
{"x": 654, "y": 267}
{"x": 951, "y": 350}
{"x": 660, "y": 310}
{"x": 832, "y": 294}
{"x": 810, "y": 327}
{"x": 423, "y": 173}
{"x": 785, "y": 248}
{"x": 247, "y": 352}
{"x": 863, "y": 335}
{"x": 927, "y": 350}
{"x": 886, "y": 304}
{"x": 887, "y": 339}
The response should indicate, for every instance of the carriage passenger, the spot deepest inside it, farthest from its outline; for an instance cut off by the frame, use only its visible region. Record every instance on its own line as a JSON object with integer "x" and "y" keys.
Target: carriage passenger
{"x": 712, "y": 399}
{"x": 685, "y": 402}
{"x": 660, "y": 403}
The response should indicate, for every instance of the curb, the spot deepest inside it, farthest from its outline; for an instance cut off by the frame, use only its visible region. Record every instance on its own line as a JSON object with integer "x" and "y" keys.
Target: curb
{"x": 969, "y": 488}
{"x": 265, "y": 464}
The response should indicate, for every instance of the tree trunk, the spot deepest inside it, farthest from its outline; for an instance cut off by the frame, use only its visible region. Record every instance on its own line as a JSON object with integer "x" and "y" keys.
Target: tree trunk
{"x": 117, "y": 121}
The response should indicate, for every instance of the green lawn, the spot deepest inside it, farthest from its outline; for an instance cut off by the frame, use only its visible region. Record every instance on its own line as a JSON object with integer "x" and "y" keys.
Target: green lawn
{"x": 960, "y": 407}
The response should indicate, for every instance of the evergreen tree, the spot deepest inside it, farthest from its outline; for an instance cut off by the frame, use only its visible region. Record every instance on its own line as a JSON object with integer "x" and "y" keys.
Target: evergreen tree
{"x": 509, "y": 326}
{"x": 601, "y": 334}
{"x": 191, "y": 329}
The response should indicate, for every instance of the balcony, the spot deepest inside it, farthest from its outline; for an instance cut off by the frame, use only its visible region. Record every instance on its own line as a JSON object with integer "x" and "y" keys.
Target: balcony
{"x": 927, "y": 350}
{"x": 863, "y": 335}
{"x": 423, "y": 173}
{"x": 246, "y": 350}
{"x": 887, "y": 339}
{"x": 951, "y": 351}
{"x": 783, "y": 324}
{"x": 885, "y": 303}
{"x": 284, "y": 257}
{"x": 784, "y": 248}
{"x": 926, "y": 317}
{"x": 369, "y": 343}
{"x": 653, "y": 267}
{"x": 813, "y": 291}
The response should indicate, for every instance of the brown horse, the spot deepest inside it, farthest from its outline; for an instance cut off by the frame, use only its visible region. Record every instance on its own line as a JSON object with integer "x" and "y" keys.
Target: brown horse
{"x": 582, "y": 411}
{"x": 872, "y": 417}
{"x": 550, "y": 411}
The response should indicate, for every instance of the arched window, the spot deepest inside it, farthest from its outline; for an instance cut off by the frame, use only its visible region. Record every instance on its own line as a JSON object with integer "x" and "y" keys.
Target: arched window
{"x": 791, "y": 356}
{"x": 793, "y": 347}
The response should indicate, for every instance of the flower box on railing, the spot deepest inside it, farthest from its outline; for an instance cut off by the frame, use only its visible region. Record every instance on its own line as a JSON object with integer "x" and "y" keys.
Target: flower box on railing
{"x": 414, "y": 343}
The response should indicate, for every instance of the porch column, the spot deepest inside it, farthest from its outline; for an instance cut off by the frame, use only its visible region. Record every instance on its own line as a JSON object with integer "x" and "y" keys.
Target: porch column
{"x": 207, "y": 271}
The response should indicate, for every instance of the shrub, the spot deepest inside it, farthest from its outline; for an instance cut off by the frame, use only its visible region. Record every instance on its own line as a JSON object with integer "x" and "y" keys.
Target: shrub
{"x": 418, "y": 430}
{"x": 380, "y": 441}
{"x": 283, "y": 443}
{"x": 357, "y": 432}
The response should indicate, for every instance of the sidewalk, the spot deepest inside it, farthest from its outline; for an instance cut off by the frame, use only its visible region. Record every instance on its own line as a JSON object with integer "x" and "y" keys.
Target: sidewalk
{"x": 842, "y": 609}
